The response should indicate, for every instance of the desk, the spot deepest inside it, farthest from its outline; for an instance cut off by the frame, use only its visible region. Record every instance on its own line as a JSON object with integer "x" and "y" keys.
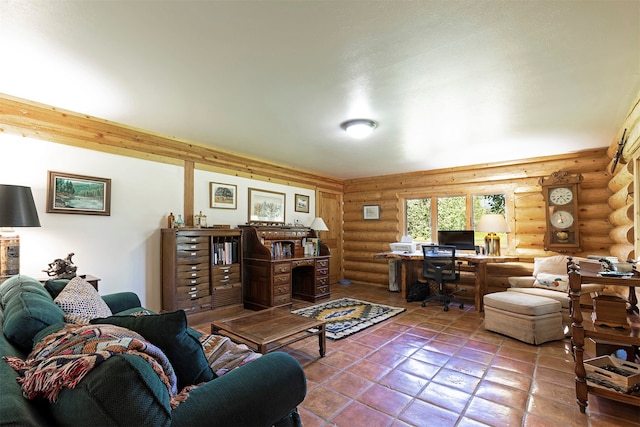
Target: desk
{"x": 479, "y": 263}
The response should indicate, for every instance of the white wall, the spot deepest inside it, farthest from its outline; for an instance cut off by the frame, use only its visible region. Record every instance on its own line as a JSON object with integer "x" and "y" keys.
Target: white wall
{"x": 123, "y": 249}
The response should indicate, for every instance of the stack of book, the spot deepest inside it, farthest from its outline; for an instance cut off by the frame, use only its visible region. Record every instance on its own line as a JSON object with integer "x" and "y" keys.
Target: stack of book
{"x": 610, "y": 310}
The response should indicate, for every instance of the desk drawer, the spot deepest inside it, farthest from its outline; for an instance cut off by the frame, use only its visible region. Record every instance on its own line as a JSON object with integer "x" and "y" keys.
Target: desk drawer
{"x": 188, "y": 268}
{"x": 302, "y": 262}
{"x": 193, "y": 246}
{"x": 282, "y": 289}
{"x": 322, "y": 271}
{"x": 322, "y": 281}
{"x": 194, "y": 291}
{"x": 281, "y": 299}
{"x": 191, "y": 240}
{"x": 282, "y": 279}
{"x": 203, "y": 303}
{"x": 322, "y": 263}
{"x": 190, "y": 258}
{"x": 281, "y": 267}
{"x": 322, "y": 289}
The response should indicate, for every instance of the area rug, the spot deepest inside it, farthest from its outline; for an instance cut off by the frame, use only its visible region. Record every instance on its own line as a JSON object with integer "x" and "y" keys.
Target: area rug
{"x": 346, "y": 316}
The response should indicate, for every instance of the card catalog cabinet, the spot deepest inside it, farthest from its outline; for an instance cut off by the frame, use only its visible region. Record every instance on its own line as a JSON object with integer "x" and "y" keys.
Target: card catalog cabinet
{"x": 201, "y": 271}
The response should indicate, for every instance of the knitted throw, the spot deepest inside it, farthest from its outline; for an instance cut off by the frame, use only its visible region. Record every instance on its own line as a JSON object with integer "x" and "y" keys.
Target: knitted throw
{"x": 64, "y": 358}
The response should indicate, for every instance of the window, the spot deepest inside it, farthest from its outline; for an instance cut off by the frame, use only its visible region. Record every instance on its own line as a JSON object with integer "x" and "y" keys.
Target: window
{"x": 484, "y": 204}
{"x": 425, "y": 216}
{"x": 419, "y": 219}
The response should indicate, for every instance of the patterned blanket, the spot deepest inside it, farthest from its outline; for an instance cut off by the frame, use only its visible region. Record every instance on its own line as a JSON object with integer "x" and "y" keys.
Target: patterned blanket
{"x": 62, "y": 359}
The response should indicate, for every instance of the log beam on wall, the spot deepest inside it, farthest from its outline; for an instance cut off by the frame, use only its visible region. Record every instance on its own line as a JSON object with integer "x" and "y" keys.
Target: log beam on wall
{"x": 34, "y": 120}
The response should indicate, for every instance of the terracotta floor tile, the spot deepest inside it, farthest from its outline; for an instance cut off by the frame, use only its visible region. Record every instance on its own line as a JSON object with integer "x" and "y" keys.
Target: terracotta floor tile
{"x": 445, "y": 397}
{"x": 404, "y": 382}
{"x": 428, "y": 367}
{"x": 432, "y": 357}
{"x": 340, "y": 359}
{"x": 508, "y": 378}
{"x": 555, "y": 411}
{"x": 349, "y": 384}
{"x": 457, "y": 380}
{"x": 420, "y": 413}
{"x": 385, "y": 399}
{"x": 466, "y": 367}
{"x": 418, "y": 368}
{"x": 475, "y": 355}
{"x": 386, "y": 357}
{"x": 357, "y": 414}
{"x": 319, "y": 372}
{"x": 503, "y": 395}
{"x": 523, "y": 368}
{"x": 441, "y": 347}
{"x": 369, "y": 370}
{"x": 493, "y": 414}
{"x": 487, "y": 347}
{"x": 562, "y": 394}
{"x": 324, "y": 402}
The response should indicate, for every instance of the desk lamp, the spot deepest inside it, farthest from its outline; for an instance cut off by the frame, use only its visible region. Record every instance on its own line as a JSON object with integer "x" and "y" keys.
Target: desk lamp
{"x": 318, "y": 225}
{"x": 17, "y": 209}
{"x": 492, "y": 224}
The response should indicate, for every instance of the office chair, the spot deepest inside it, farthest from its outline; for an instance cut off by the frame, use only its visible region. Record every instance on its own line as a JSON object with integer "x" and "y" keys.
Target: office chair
{"x": 439, "y": 265}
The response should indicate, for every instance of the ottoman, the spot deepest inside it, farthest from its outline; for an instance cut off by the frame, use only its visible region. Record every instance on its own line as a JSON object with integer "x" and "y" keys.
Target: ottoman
{"x": 529, "y": 318}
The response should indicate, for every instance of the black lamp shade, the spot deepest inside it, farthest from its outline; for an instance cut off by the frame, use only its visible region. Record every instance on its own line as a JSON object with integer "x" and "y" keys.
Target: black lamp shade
{"x": 17, "y": 208}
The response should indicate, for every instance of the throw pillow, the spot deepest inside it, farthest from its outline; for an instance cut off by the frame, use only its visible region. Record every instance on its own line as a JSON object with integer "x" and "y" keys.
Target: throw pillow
{"x": 556, "y": 264}
{"x": 169, "y": 332}
{"x": 555, "y": 282}
{"x": 81, "y": 302}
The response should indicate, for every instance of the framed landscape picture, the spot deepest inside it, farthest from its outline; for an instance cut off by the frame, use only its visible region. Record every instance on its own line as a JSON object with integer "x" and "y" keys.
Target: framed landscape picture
{"x": 78, "y": 194}
{"x": 266, "y": 206}
{"x": 371, "y": 212}
{"x": 302, "y": 203}
{"x": 223, "y": 196}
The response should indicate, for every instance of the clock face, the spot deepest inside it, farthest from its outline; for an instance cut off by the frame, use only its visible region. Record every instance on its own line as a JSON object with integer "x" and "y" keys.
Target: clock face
{"x": 562, "y": 219}
{"x": 560, "y": 196}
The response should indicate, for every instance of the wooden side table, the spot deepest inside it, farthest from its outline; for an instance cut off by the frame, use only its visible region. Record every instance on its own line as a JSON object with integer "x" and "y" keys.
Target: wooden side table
{"x": 92, "y": 280}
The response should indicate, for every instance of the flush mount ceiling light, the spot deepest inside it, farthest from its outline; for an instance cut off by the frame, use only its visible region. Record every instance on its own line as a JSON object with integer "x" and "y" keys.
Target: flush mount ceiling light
{"x": 359, "y": 128}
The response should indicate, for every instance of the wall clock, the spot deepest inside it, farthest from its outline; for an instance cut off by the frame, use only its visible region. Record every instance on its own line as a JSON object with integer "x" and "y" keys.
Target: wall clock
{"x": 560, "y": 192}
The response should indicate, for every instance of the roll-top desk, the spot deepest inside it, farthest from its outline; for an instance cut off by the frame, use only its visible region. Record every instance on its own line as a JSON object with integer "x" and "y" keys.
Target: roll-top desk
{"x": 277, "y": 270}
{"x": 201, "y": 271}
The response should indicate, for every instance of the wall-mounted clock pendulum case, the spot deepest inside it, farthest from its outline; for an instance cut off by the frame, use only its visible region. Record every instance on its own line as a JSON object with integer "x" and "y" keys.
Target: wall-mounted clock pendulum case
{"x": 560, "y": 192}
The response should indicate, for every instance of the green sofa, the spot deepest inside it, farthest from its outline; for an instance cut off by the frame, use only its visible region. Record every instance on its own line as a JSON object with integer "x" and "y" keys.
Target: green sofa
{"x": 124, "y": 390}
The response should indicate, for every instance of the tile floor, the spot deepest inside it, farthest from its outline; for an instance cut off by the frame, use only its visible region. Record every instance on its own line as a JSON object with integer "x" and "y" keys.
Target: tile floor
{"x": 428, "y": 367}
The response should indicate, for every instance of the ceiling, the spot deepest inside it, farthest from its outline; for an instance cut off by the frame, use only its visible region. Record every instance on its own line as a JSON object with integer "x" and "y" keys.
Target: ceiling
{"x": 451, "y": 83}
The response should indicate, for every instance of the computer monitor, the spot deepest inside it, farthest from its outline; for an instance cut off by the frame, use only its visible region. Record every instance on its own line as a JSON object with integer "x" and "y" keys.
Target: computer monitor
{"x": 463, "y": 240}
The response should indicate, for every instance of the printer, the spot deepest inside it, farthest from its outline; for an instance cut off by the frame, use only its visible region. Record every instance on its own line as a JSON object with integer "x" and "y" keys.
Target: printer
{"x": 406, "y": 244}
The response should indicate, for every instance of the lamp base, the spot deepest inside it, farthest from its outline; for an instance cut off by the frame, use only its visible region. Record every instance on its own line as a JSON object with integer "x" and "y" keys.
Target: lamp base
{"x": 9, "y": 257}
{"x": 492, "y": 244}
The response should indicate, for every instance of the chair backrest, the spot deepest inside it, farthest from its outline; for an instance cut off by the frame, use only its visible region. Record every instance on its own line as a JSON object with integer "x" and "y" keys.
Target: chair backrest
{"x": 439, "y": 263}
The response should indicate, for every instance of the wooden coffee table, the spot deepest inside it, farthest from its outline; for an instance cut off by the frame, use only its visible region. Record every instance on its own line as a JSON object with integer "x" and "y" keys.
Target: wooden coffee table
{"x": 271, "y": 329}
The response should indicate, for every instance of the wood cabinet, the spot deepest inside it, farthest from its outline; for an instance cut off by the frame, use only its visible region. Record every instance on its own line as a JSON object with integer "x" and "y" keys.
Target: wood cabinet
{"x": 201, "y": 271}
{"x": 583, "y": 327}
{"x": 277, "y": 270}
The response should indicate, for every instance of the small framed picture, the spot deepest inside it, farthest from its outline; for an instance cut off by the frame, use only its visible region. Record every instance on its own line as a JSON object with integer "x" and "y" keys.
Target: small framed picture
{"x": 302, "y": 203}
{"x": 371, "y": 212}
{"x": 78, "y": 194}
{"x": 266, "y": 206}
{"x": 223, "y": 196}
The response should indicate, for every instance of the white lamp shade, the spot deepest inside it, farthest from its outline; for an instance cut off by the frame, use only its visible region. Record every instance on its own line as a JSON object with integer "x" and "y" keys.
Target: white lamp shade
{"x": 492, "y": 223}
{"x": 318, "y": 225}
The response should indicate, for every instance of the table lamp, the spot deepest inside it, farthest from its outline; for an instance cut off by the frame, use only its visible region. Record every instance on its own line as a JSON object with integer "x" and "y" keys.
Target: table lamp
{"x": 492, "y": 224}
{"x": 17, "y": 209}
{"x": 318, "y": 225}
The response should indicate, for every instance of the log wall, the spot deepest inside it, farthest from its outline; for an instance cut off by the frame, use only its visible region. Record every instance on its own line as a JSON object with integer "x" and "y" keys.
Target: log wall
{"x": 525, "y": 211}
